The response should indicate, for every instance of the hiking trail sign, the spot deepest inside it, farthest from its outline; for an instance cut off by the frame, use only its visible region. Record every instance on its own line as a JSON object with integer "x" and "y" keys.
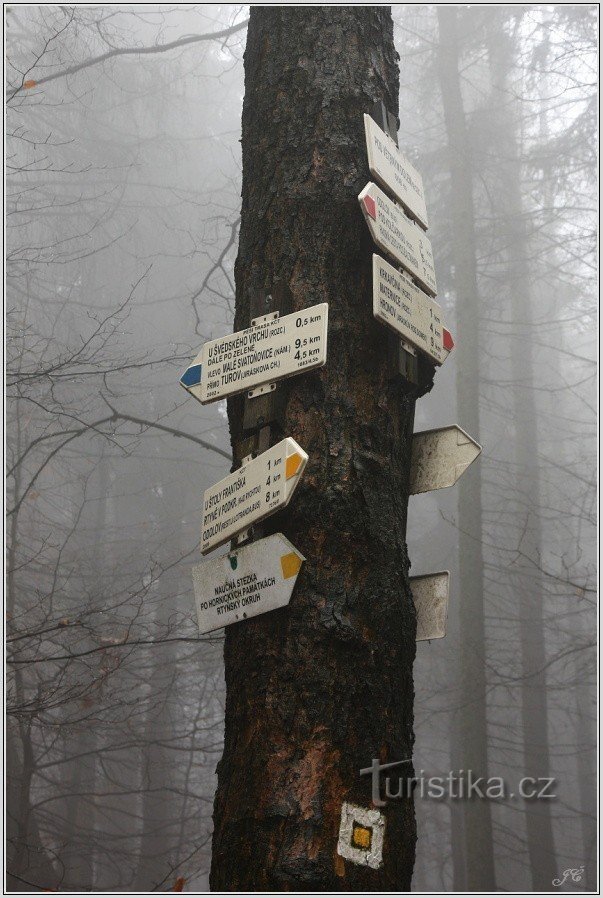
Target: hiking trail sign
{"x": 256, "y": 490}
{"x": 399, "y": 236}
{"x": 271, "y": 349}
{"x": 439, "y": 457}
{"x": 416, "y": 317}
{"x": 256, "y": 578}
{"x": 430, "y": 597}
{"x": 388, "y": 165}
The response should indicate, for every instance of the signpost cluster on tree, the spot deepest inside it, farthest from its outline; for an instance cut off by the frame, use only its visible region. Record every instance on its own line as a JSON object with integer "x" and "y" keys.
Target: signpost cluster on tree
{"x": 259, "y": 575}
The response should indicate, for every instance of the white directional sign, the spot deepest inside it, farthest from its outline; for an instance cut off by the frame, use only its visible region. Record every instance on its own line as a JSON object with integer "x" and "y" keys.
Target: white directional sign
{"x": 272, "y": 348}
{"x": 398, "y": 235}
{"x": 258, "y": 577}
{"x": 400, "y": 304}
{"x": 257, "y": 489}
{"x": 430, "y": 596}
{"x": 393, "y": 170}
{"x": 439, "y": 457}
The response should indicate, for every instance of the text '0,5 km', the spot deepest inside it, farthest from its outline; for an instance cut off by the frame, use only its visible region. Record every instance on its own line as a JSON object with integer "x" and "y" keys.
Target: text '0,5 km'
{"x": 271, "y": 349}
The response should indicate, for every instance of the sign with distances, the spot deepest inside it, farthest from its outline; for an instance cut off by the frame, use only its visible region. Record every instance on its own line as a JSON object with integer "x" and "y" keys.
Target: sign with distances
{"x": 398, "y": 235}
{"x": 439, "y": 457}
{"x": 257, "y": 489}
{"x": 400, "y": 304}
{"x": 388, "y": 165}
{"x": 272, "y": 348}
{"x": 256, "y": 578}
{"x": 430, "y": 597}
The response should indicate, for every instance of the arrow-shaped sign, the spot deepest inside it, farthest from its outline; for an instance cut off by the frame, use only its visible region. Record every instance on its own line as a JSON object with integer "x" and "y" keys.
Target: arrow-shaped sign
{"x": 392, "y": 169}
{"x": 258, "y": 577}
{"x": 257, "y": 489}
{"x": 416, "y": 317}
{"x": 430, "y": 595}
{"x": 399, "y": 236}
{"x": 439, "y": 457}
{"x": 271, "y": 349}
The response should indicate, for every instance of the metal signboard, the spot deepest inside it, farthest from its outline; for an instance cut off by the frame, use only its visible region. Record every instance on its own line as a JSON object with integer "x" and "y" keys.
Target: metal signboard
{"x": 257, "y": 489}
{"x": 271, "y": 349}
{"x": 398, "y": 235}
{"x": 416, "y": 317}
{"x": 361, "y": 833}
{"x": 439, "y": 457}
{"x": 389, "y": 166}
{"x": 251, "y": 580}
{"x": 430, "y": 595}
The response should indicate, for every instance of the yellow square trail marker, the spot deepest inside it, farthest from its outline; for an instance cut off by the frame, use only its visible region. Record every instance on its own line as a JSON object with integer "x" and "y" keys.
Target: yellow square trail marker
{"x": 361, "y": 834}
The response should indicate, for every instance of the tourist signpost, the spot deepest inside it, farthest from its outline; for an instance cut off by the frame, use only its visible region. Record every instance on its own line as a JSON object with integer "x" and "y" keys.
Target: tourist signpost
{"x": 271, "y": 349}
{"x": 399, "y": 236}
{"x": 439, "y": 457}
{"x": 256, "y": 578}
{"x": 430, "y": 597}
{"x": 416, "y": 317}
{"x": 257, "y": 489}
{"x": 388, "y": 165}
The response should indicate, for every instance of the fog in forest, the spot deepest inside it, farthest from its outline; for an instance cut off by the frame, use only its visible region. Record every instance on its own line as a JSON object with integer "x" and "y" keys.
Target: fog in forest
{"x": 122, "y": 213}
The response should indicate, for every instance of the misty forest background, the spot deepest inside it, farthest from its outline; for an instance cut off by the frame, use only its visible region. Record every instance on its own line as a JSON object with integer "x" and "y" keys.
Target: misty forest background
{"x": 123, "y": 191}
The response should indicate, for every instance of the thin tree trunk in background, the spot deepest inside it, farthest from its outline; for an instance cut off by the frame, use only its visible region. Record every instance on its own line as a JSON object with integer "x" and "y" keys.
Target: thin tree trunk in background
{"x": 525, "y": 575}
{"x": 471, "y": 728}
{"x": 27, "y": 861}
{"x": 318, "y": 689}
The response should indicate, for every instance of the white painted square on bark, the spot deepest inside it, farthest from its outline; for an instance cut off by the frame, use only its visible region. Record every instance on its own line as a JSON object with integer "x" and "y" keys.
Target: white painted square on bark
{"x": 370, "y": 818}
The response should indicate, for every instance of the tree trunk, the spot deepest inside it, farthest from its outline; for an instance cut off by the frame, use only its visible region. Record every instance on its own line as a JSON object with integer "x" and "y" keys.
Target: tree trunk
{"x": 318, "y": 689}
{"x": 472, "y": 727}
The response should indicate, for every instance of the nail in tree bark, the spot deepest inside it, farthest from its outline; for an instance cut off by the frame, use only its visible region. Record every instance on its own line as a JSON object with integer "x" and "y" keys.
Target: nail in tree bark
{"x": 318, "y": 689}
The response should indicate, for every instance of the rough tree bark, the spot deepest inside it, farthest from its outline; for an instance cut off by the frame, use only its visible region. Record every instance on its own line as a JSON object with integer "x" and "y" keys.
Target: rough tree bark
{"x": 318, "y": 689}
{"x": 472, "y": 727}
